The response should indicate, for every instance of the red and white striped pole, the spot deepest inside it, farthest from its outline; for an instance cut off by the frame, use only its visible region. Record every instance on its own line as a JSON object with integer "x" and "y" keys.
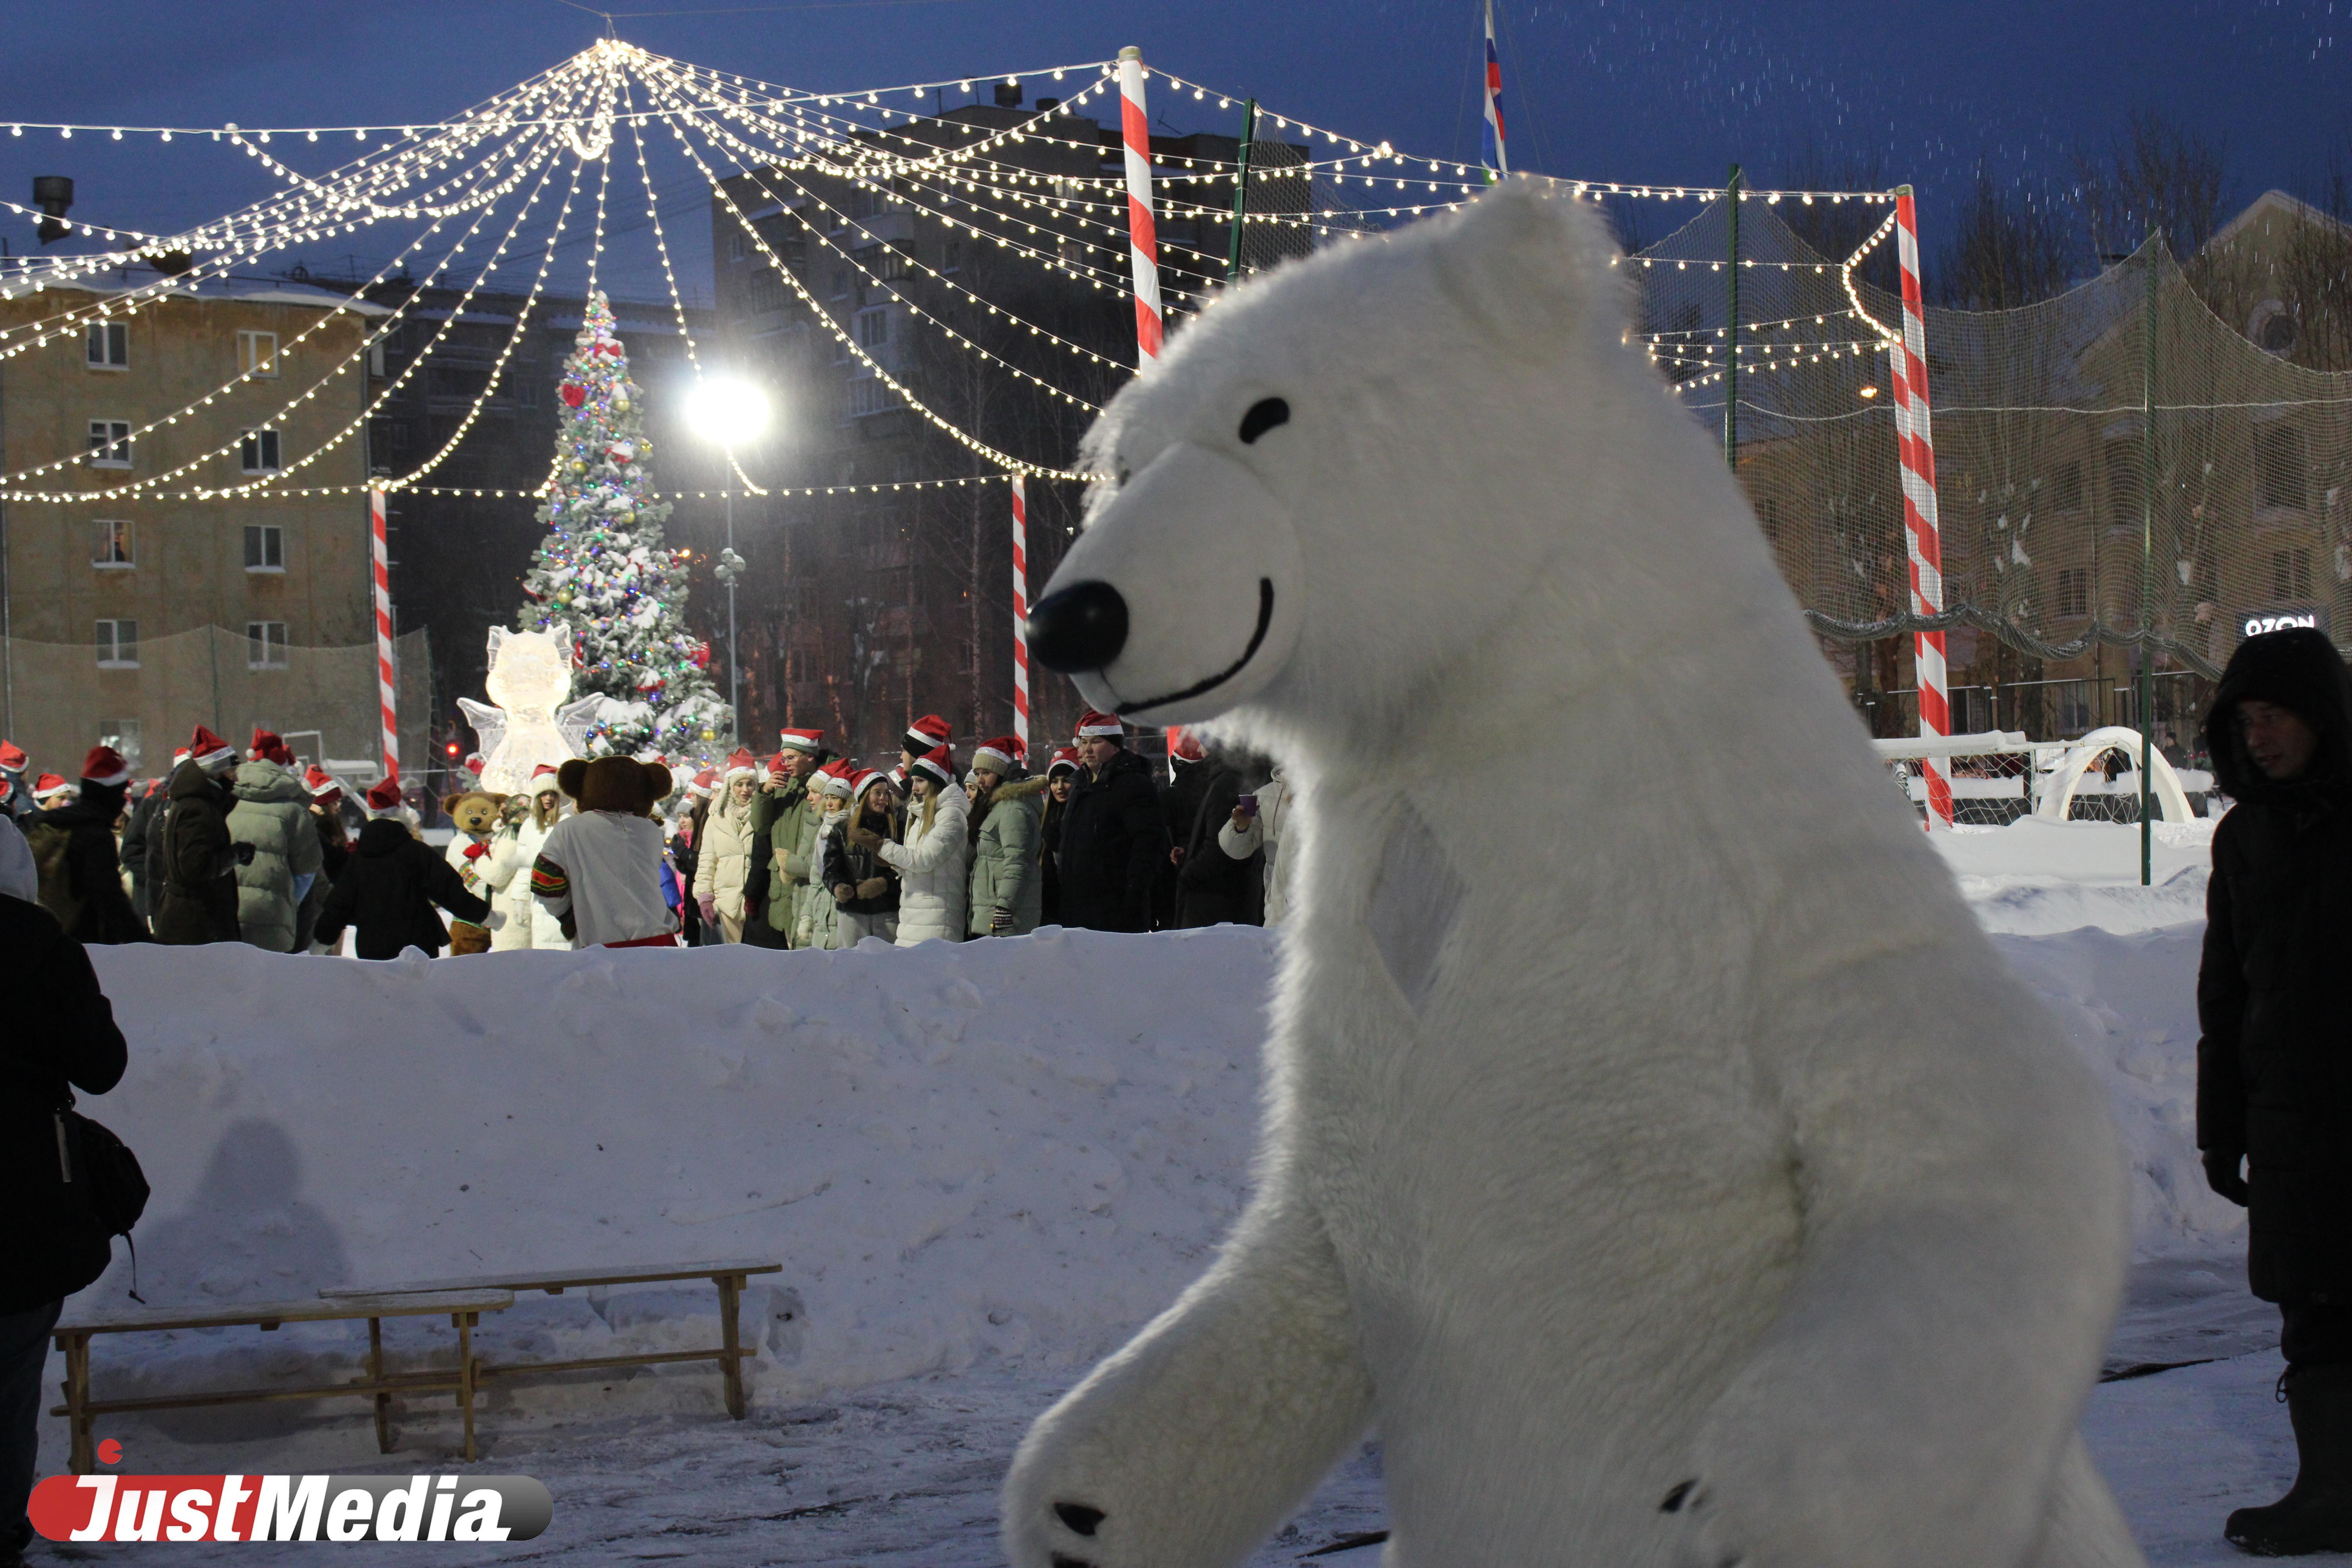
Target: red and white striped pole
{"x": 1143, "y": 238}
{"x": 386, "y": 683}
{"x": 1916, "y": 453}
{"x": 1020, "y": 613}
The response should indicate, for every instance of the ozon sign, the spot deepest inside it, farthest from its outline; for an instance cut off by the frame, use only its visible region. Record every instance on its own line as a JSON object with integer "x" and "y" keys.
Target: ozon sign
{"x": 2277, "y": 621}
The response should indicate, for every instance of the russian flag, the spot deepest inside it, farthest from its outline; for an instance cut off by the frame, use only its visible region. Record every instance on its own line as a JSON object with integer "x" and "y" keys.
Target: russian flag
{"x": 1498, "y": 164}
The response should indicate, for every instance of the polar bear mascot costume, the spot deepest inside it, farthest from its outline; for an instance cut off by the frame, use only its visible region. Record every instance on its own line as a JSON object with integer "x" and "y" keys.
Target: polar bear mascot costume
{"x": 1671, "y": 1176}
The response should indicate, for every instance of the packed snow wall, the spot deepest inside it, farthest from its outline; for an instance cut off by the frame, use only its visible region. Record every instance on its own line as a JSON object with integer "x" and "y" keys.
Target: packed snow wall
{"x": 1003, "y": 1152}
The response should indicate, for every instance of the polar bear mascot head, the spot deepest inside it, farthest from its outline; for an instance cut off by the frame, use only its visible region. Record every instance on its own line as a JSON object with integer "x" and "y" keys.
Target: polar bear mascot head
{"x": 1656, "y": 1154}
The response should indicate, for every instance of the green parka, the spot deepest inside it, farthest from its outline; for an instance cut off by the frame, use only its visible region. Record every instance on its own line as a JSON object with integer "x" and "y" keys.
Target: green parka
{"x": 1005, "y": 870}
{"x": 270, "y": 810}
{"x": 789, "y": 818}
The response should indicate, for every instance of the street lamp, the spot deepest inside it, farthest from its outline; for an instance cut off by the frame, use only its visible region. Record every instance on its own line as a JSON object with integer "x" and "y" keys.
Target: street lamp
{"x": 729, "y": 413}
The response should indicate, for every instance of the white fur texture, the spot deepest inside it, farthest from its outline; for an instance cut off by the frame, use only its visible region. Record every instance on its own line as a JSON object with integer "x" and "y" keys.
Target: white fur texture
{"x": 1704, "y": 1150}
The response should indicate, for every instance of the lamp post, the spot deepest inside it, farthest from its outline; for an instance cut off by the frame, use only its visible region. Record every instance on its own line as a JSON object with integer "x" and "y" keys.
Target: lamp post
{"x": 728, "y": 413}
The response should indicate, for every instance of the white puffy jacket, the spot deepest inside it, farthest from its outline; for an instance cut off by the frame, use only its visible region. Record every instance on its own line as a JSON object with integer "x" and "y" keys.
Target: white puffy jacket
{"x": 516, "y": 918}
{"x": 1266, "y": 832}
{"x": 931, "y": 867}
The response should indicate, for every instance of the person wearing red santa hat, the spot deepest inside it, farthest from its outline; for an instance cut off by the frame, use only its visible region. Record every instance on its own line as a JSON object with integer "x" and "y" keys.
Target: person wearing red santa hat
{"x": 1114, "y": 841}
{"x": 49, "y": 791}
{"x": 724, "y": 848}
{"x": 392, "y": 885}
{"x": 15, "y": 798}
{"x": 932, "y": 853}
{"x": 326, "y": 812}
{"x": 270, "y": 810}
{"x": 269, "y": 748}
{"x": 864, "y": 888}
{"x": 785, "y": 816}
{"x": 143, "y": 842}
{"x": 1007, "y": 886}
{"x": 73, "y": 846}
{"x": 924, "y": 736}
{"x": 200, "y": 856}
{"x": 518, "y": 919}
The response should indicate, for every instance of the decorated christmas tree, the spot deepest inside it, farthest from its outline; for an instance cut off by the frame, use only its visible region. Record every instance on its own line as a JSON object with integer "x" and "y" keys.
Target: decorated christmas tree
{"x": 605, "y": 581}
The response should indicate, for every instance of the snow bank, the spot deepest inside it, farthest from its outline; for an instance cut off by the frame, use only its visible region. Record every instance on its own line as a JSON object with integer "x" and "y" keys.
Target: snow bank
{"x": 2037, "y": 878}
{"x": 1011, "y": 1150}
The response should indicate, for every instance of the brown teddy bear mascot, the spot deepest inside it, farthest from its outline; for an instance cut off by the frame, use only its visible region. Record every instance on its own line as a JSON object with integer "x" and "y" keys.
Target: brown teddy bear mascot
{"x": 599, "y": 872}
{"x": 474, "y": 815}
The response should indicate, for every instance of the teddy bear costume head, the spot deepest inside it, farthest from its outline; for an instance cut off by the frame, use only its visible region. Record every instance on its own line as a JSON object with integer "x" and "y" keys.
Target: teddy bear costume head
{"x": 614, "y": 784}
{"x": 474, "y": 812}
{"x": 1669, "y": 1169}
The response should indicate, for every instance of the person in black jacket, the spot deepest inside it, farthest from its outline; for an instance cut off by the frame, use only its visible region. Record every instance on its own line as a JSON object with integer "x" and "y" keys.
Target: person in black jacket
{"x": 1113, "y": 840}
{"x": 1060, "y": 780}
{"x": 389, "y": 888}
{"x": 146, "y": 815}
{"x": 1211, "y": 888}
{"x": 73, "y": 846}
{"x": 200, "y": 861}
{"x": 2274, "y": 1062}
{"x": 61, "y": 1036}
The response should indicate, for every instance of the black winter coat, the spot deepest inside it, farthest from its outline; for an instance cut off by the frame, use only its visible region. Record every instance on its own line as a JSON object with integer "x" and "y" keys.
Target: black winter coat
{"x": 1211, "y": 888}
{"x": 60, "y": 1033}
{"x": 199, "y": 903}
{"x": 1114, "y": 844}
{"x": 854, "y": 863}
{"x": 81, "y": 871}
{"x": 2275, "y": 989}
{"x": 140, "y": 843}
{"x": 388, "y": 892}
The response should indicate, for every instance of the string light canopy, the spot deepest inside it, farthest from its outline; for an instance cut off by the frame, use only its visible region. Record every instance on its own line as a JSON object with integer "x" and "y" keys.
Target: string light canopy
{"x": 487, "y": 202}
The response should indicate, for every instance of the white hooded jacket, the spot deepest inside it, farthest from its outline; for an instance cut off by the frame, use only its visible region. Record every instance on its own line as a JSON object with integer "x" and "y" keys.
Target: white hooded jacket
{"x": 931, "y": 866}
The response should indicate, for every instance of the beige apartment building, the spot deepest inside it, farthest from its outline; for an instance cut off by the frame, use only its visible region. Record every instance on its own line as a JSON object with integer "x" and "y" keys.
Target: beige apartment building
{"x": 139, "y": 599}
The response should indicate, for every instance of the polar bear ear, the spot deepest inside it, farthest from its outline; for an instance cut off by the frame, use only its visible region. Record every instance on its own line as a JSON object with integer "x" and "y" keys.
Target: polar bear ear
{"x": 1521, "y": 265}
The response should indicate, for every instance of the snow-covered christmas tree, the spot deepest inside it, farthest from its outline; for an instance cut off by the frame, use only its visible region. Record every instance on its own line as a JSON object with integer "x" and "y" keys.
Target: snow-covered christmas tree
{"x": 605, "y": 580}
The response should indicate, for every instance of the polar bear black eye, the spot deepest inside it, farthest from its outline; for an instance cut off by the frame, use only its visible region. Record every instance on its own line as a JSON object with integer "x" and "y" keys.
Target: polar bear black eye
{"x": 1263, "y": 415}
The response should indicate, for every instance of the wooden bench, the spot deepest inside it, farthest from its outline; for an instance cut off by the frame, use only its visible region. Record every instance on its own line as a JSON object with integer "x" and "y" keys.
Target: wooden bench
{"x": 729, "y": 1274}
{"x": 465, "y": 1308}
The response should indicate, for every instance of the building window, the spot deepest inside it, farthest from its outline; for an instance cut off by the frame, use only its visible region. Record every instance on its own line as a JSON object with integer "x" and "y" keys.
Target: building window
{"x": 874, "y": 327}
{"x": 109, "y": 443}
{"x": 265, "y": 645}
{"x": 2124, "y": 458}
{"x": 256, "y": 451}
{"x": 2066, "y": 487}
{"x": 735, "y": 245}
{"x": 841, "y": 282}
{"x": 526, "y": 390}
{"x": 107, "y": 345}
{"x": 122, "y": 734}
{"x": 257, "y": 353}
{"x": 2074, "y": 591}
{"x": 109, "y": 545}
{"x": 767, "y": 289}
{"x": 118, "y": 644}
{"x": 2281, "y": 469}
{"x": 2290, "y": 574}
{"x": 264, "y": 547}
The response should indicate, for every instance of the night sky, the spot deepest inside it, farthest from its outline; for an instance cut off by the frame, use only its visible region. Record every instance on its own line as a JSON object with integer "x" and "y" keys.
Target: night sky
{"x": 1596, "y": 89}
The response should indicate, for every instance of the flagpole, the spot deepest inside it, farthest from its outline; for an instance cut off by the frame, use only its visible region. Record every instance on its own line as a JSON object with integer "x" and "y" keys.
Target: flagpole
{"x": 1497, "y": 151}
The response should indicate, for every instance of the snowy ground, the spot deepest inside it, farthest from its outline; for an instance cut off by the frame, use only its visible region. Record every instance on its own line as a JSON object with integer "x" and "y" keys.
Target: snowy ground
{"x": 979, "y": 1180}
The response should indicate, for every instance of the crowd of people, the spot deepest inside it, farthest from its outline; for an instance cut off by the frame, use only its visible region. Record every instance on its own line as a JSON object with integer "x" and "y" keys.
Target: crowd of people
{"x": 797, "y": 849}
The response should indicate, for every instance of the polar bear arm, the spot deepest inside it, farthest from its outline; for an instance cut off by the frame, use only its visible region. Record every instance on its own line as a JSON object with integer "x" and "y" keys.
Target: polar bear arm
{"x": 1196, "y": 1440}
{"x": 1963, "y": 1239}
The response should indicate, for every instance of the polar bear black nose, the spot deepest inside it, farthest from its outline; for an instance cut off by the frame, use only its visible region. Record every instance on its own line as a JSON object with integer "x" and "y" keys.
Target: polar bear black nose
{"x": 1082, "y": 626}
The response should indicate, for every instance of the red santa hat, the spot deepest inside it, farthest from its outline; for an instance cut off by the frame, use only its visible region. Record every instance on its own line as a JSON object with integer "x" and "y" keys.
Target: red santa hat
{"x": 777, "y": 772}
{"x": 742, "y": 765}
{"x": 269, "y": 748}
{"x": 105, "y": 767}
{"x": 544, "y": 771}
{"x": 809, "y": 740}
{"x": 383, "y": 797}
{"x": 13, "y": 758}
{"x": 324, "y": 787}
{"x": 926, "y": 733}
{"x": 475, "y": 763}
{"x": 898, "y": 777}
{"x": 1093, "y": 725}
{"x": 49, "y": 786}
{"x": 1185, "y": 746}
{"x": 210, "y": 752}
{"x": 1001, "y": 756}
{"x": 937, "y": 764}
{"x": 865, "y": 779}
{"x": 1065, "y": 761}
{"x": 836, "y": 778}
{"x": 703, "y": 782}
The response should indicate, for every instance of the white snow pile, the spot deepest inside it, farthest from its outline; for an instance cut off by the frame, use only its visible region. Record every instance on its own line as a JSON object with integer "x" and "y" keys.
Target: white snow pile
{"x": 1003, "y": 1154}
{"x": 1005, "y": 1150}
